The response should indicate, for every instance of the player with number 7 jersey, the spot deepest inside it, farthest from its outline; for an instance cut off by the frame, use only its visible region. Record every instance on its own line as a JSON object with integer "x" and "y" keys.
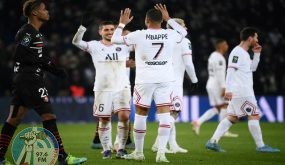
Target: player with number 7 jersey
{"x": 154, "y": 48}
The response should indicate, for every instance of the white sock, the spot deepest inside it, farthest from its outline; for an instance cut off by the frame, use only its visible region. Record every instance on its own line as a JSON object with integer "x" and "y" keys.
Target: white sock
{"x": 139, "y": 132}
{"x": 223, "y": 127}
{"x": 207, "y": 115}
{"x": 156, "y": 142}
{"x": 222, "y": 114}
{"x": 255, "y": 130}
{"x": 104, "y": 131}
{"x": 172, "y": 136}
{"x": 163, "y": 131}
{"x": 122, "y": 132}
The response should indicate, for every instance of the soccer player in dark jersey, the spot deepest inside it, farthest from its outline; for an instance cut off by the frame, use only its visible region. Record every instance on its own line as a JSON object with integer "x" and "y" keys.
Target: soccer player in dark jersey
{"x": 28, "y": 90}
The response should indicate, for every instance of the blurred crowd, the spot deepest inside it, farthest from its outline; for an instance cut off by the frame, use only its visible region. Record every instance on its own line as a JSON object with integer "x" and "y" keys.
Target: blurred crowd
{"x": 206, "y": 20}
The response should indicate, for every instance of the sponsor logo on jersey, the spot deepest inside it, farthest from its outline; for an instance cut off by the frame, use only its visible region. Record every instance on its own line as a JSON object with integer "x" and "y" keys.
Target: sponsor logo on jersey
{"x": 235, "y": 59}
{"x": 156, "y": 36}
{"x": 113, "y": 56}
{"x": 156, "y": 62}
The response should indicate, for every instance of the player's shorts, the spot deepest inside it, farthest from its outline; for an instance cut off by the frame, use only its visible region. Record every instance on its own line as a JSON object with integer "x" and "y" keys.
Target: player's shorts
{"x": 29, "y": 90}
{"x": 177, "y": 98}
{"x": 246, "y": 106}
{"x": 159, "y": 92}
{"x": 215, "y": 97}
{"x": 108, "y": 102}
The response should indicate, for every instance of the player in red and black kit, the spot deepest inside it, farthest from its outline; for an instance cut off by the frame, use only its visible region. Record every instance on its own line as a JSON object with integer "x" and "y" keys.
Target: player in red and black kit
{"x": 28, "y": 90}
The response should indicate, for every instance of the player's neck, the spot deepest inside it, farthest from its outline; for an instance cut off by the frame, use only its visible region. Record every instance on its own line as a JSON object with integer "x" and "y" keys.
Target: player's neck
{"x": 106, "y": 42}
{"x": 244, "y": 45}
{"x": 36, "y": 24}
{"x": 154, "y": 26}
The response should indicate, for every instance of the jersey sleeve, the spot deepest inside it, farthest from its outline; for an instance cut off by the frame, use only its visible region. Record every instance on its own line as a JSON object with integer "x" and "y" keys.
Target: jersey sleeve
{"x": 235, "y": 60}
{"x": 131, "y": 38}
{"x": 186, "y": 47}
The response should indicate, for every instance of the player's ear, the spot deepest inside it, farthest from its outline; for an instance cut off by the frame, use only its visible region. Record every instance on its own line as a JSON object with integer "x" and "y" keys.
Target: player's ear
{"x": 34, "y": 12}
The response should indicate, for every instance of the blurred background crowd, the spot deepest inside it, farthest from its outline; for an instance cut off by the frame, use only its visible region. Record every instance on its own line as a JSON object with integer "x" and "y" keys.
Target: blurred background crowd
{"x": 207, "y": 20}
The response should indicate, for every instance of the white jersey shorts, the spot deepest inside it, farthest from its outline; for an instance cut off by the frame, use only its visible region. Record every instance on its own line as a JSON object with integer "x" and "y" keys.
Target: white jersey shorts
{"x": 107, "y": 102}
{"x": 240, "y": 107}
{"x": 161, "y": 93}
{"x": 215, "y": 97}
{"x": 177, "y": 98}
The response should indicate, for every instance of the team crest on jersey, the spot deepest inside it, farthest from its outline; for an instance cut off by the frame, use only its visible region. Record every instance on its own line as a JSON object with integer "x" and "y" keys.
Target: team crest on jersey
{"x": 235, "y": 59}
{"x": 118, "y": 49}
{"x": 26, "y": 40}
{"x": 220, "y": 62}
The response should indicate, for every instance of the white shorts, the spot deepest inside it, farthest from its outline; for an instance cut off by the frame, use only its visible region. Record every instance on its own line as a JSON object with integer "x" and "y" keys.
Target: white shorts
{"x": 107, "y": 102}
{"x": 159, "y": 92}
{"x": 177, "y": 98}
{"x": 215, "y": 97}
{"x": 246, "y": 106}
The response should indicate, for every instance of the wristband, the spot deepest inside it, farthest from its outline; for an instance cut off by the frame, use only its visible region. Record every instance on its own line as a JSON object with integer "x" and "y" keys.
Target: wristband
{"x": 121, "y": 25}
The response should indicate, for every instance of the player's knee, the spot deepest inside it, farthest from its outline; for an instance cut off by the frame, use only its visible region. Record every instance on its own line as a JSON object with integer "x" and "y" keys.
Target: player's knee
{"x": 14, "y": 121}
{"x": 254, "y": 117}
{"x": 123, "y": 116}
{"x": 232, "y": 119}
{"x": 104, "y": 120}
{"x": 48, "y": 116}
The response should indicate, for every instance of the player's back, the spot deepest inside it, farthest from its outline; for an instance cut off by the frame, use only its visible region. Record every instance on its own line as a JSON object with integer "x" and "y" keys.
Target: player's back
{"x": 154, "y": 49}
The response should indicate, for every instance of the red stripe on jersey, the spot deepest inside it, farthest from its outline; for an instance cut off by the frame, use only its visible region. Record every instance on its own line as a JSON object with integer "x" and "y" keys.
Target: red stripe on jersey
{"x": 139, "y": 131}
{"x": 142, "y": 105}
{"x": 164, "y": 104}
{"x": 39, "y": 45}
{"x": 164, "y": 125}
{"x": 122, "y": 109}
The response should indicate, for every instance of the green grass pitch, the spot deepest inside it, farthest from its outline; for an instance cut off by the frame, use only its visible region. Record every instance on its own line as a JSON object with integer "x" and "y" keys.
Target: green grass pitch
{"x": 240, "y": 151}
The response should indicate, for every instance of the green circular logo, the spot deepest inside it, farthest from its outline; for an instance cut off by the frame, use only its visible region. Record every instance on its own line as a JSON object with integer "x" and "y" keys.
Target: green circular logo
{"x": 35, "y": 146}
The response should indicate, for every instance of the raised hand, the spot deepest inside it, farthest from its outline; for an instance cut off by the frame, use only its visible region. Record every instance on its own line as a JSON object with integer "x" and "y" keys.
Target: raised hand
{"x": 163, "y": 10}
{"x": 125, "y": 16}
{"x": 257, "y": 48}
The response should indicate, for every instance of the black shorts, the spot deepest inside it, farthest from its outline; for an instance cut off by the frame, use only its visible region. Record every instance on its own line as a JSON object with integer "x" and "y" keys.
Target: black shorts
{"x": 29, "y": 90}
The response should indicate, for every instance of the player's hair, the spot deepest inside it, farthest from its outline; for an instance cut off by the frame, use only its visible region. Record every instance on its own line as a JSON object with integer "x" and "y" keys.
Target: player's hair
{"x": 247, "y": 32}
{"x": 154, "y": 15}
{"x": 218, "y": 42}
{"x": 29, "y": 6}
{"x": 106, "y": 23}
{"x": 178, "y": 20}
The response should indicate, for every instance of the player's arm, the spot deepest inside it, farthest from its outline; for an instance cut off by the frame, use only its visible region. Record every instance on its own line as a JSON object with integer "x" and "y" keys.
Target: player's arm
{"x": 175, "y": 26}
{"x": 77, "y": 39}
{"x": 187, "y": 59}
{"x": 233, "y": 64}
{"x": 256, "y": 57}
{"x": 52, "y": 68}
{"x": 125, "y": 18}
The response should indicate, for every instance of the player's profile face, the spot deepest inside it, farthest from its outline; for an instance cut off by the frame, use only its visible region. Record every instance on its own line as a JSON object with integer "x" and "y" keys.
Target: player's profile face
{"x": 107, "y": 32}
{"x": 42, "y": 12}
{"x": 254, "y": 39}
